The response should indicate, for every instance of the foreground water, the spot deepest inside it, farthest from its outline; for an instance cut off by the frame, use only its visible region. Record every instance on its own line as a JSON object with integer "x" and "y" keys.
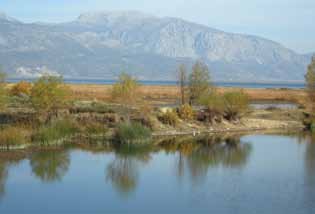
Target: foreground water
{"x": 251, "y": 174}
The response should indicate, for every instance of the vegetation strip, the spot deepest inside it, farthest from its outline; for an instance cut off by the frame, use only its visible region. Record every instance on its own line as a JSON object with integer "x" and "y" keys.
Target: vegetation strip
{"x": 47, "y": 112}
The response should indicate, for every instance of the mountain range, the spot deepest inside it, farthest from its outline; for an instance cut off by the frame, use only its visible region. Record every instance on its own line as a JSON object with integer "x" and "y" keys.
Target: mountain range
{"x": 101, "y": 45}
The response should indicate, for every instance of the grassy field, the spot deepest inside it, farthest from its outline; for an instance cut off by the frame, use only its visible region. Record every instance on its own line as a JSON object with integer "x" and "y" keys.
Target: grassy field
{"x": 169, "y": 94}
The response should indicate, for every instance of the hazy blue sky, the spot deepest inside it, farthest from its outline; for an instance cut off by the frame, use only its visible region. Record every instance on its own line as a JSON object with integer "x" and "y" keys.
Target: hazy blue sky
{"x": 290, "y": 22}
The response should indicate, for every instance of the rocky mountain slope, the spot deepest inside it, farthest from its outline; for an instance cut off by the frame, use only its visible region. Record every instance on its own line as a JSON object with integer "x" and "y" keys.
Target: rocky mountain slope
{"x": 100, "y": 45}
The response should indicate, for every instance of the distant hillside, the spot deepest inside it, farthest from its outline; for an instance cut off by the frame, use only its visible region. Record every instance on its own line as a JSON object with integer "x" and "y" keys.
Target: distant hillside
{"x": 103, "y": 44}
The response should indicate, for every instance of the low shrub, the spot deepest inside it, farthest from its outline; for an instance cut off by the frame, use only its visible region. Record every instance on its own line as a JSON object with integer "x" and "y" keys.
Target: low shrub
{"x": 216, "y": 104}
{"x": 235, "y": 104}
{"x": 132, "y": 133}
{"x": 169, "y": 118}
{"x": 3, "y": 97}
{"x": 309, "y": 122}
{"x": 94, "y": 107}
{"x": 95, "y": 128}
{"x": 13, "y": 136}
{"x": 214, "y": 108}
{"x": 230, "y": 105}
{"x": 22, "y": 88}
{"x": 186, "y": 112}
{"x": 56, "y": 130}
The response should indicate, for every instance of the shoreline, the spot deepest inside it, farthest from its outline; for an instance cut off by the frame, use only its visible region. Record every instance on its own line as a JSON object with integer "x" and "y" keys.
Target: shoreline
{"x": 158, "y": 135}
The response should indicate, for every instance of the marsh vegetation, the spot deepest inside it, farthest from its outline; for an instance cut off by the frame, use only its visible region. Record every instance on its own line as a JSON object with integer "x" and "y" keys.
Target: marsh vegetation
{"x": 48, "y": 111}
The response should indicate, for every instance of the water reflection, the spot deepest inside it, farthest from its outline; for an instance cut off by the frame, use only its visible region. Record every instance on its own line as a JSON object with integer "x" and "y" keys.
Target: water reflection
{"x": 198, "y": 155}
{"x": 50, "y": 166}
{"x": 123, "y": 171}
{"x": 7, "y": 159}
{"x": 3, "y": 177}
{"x": 310, "y": 168}
{"x": 211, "y": 162}
{"x": 310, "y": 160}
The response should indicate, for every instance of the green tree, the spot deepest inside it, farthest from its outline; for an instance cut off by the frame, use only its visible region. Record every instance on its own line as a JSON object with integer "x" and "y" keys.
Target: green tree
{"x": 199, "y": 82}
{"x": 310, "y": 83}
{"x": 48, "y": 95}
{"x": 182, "y": 80}
{"x": 125, "y": 91}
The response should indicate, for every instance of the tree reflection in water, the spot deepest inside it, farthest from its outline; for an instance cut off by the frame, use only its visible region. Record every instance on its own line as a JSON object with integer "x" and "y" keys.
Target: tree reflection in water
{"x": 3, "y": 177}
{"x": 50, "y": 166}
{"x": 197, "y": 155}
{"x": 122, "y": 172}
{"x": 310, "y": 161}
{"x": 7, "y": 159}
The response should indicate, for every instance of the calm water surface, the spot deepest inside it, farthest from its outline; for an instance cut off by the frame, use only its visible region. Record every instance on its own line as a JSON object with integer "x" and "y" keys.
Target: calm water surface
{"x": 251, "y": 174}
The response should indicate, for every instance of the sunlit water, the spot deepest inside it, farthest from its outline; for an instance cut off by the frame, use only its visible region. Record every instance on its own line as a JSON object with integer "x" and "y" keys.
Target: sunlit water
{"x": 259, "y": 174}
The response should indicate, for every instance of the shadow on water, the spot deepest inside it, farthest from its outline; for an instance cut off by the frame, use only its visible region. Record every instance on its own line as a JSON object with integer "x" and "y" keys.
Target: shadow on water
{"x": 50, "y": 166}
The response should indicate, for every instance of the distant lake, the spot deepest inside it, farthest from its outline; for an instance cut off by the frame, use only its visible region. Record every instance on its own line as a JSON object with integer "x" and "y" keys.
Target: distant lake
{"x": 243, "y": 175}
{"x": 219, "y": 83}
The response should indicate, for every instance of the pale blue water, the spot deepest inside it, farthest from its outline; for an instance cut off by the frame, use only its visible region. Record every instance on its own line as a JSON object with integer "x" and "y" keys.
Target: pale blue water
{"x": 222, "y": 84}
{"x": 261, "y": 174}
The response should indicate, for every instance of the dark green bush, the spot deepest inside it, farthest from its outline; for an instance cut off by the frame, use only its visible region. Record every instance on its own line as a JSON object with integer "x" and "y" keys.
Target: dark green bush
{"x": 56, "y": 130}
{"x": 132, "y": 133}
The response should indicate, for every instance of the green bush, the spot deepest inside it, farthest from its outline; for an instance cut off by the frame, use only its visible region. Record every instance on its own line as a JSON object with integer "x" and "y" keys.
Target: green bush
{"x": 215, "y": 103}
{"x": 132, "y": 133}
{"x": 235, "y": 104}
{"x": 169, "y": 118}
{"x": 13, "y": 136}
{"x": 214, "y": 107}
{"x": 125, "y": 91}
{"x": 56, "y": 130}
{"x": 48, "y": 94}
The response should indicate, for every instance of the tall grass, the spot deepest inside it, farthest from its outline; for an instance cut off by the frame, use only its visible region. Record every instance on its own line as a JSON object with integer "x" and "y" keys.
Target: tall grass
{"x": 14, "y": 136}
{"x": 132, "y": 133}
{"x": 56, "y": 130}
{"x": 95, "y": 128}
{"x": 169, "y": 118}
